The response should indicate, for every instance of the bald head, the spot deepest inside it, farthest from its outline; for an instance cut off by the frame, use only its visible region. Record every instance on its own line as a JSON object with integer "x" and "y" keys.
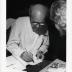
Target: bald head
{"x": 37, "y": 18}
{"x": 38, "y": 13}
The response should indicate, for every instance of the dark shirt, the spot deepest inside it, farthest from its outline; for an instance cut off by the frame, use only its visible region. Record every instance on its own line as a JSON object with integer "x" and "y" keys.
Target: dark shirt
{"x": 57, "y": 48}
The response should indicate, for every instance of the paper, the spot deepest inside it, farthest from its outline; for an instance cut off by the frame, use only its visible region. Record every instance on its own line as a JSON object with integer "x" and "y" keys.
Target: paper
{"x": 13, "y": 64}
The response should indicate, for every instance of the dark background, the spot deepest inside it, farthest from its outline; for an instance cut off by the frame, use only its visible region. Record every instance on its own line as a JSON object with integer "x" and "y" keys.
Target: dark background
{"x": 18, "y": 8}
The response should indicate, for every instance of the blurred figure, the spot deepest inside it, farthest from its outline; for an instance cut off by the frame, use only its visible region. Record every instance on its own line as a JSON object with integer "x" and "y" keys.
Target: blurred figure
{"x": 57, "y": 33}
{"x": 58, "y": 15}
{"x": 29, "y": 39}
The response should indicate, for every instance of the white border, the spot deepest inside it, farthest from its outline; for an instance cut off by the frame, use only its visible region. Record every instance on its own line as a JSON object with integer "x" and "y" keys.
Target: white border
{"x": 69, "y": 36}
{"x": 2, "y": 35}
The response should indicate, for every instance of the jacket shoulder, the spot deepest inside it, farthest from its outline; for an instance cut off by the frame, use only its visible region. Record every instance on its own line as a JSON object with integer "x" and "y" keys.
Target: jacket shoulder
{"x": 21, "y": 21}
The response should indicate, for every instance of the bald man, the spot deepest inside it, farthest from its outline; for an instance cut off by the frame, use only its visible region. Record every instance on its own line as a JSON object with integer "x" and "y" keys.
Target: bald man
{"x": 29, "y": 40}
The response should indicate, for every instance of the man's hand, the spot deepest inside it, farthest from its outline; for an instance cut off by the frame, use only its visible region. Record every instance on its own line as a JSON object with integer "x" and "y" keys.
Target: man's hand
{"x": 40, "y": 55}
{"x": 27, "y": 56}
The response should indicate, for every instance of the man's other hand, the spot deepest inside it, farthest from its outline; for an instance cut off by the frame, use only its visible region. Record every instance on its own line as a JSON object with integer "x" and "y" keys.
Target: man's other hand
{"x": 40, "y": 55}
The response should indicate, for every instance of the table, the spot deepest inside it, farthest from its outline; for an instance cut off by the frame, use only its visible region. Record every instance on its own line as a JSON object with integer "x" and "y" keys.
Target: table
{"x": 13, "y": 65}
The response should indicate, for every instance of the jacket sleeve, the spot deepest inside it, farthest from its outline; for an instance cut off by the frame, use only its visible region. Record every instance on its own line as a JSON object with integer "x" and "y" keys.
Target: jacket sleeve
{"x": 13, "y": 44}
{"x": 45, "y": 45}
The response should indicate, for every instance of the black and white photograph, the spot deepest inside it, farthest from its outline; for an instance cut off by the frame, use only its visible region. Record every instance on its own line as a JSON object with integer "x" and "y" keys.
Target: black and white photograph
{"x": 36, "y": 35}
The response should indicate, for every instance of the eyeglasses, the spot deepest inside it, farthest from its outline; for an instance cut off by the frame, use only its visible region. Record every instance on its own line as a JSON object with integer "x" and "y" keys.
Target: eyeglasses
{"x": 38, "y": 23}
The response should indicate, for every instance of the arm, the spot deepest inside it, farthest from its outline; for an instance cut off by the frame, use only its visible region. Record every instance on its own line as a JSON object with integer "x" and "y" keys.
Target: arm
{"x": 45, "y": 45}
{"x": 14, "y": 39}
{"x": 13, "y": 44}
{"x": 43, "y": 48}
{"x": 39, "y": 50}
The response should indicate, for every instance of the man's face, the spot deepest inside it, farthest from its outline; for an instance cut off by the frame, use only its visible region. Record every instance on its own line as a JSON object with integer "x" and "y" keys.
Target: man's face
{"x": 38, "y": 20}
{"x": 39, "y": 28}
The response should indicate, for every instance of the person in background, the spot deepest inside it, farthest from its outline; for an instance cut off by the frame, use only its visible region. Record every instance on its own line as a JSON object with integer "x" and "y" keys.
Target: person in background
{"x": 29, "y": 38}
{"x": 57, "y": 33}
{"x": 58, "y": 15}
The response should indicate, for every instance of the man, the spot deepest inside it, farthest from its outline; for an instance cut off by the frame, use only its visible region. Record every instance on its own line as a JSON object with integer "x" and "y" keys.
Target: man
{"x": 57, "y": 34}
{"x": 29, "y": 39}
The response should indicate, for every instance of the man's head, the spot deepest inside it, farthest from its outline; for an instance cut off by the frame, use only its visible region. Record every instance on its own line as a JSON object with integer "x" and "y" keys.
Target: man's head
{"x": 58, "y": 14}
{"x": 37, "y": 17}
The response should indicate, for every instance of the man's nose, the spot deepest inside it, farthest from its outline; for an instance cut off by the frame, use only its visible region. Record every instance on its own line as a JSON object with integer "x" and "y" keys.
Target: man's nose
{"x": 37, "y": 25}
